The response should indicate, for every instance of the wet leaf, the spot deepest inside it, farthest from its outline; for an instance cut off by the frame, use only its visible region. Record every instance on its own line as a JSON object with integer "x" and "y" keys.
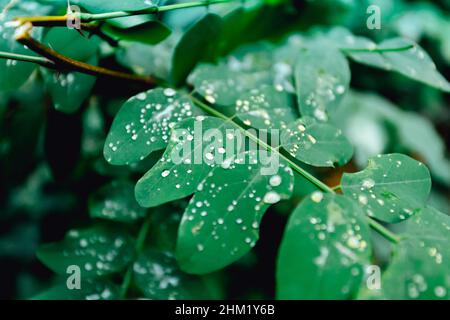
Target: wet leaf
{"x": 266, "y": 108}
{"x": 315, "y": 143}
{"x": 116, "y": 202}
{"x": 324, "y": 249}
{"x": 98, "y": 250}
{"x": 144, "y": 123}
{"x": 392, "y": 188}
{"x": 223, "y": 86}
{"x": 221, "y": 222}
{"x": 158, "y": 277}
{"x": 420, "y": 265}
{"x": 322, "y": 77}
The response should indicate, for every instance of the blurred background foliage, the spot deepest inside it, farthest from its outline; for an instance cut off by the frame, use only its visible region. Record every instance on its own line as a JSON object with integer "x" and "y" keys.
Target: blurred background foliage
{"x": 52, "y": 170}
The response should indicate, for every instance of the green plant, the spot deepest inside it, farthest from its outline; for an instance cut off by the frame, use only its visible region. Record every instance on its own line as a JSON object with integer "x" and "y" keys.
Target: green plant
{"x": 294, "y": 88}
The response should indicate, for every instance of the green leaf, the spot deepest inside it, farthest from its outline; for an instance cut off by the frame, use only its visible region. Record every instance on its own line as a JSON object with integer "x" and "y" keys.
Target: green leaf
{"x": 191, "y": 154}
{"x": 204, "y": 156}
{"x": 221, "y": 222}
{"x": 315, "y": 143}
{"x": 90, "y": 290}
{"x": 143, "y": 125}
{"x": 420, "y": 266}
{"x": 70, "y": 43}
{"x": 14, "y": 74}
{"x": 322, "y": 77}
{"x": 392, "y": 188}
{"x": 266, "y": 108}
{"x": 158, "y": 277}
{"x": 70, "y": 90}
{"x": 99, "y": 250}
{"x": 222, "y": 85}
{"x": 199, "y": 43}
{"x": 414, "y": 63}
{"x": 151, "y": 32}
{"x": 324, "y": 249}
{"x": 158, "y": 57}
{"x": 116, "y": 202}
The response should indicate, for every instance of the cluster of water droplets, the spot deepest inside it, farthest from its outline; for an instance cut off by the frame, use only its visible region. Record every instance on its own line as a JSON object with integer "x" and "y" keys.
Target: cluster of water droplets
{"x": 158, "y": 276}
{"x": 102, "y": 253}
{"x": 151, "y": 117}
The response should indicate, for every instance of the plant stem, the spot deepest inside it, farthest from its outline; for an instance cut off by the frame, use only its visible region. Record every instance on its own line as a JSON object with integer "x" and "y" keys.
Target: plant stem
{"x": 140, "y": 241}
{"x": 379, "y": 50}
{"x": 63, "y": 62}
{"x": 319, "y": 184}
{"x": 25, "y": 58}
{"x": 89, "y": 17}
{"x": 338, "y": 187}
{"x": 293, "y": 165}
{"x": 384, "y": 231}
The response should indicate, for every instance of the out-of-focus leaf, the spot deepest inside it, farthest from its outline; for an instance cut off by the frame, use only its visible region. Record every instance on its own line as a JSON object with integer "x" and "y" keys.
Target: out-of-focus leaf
{"x": 199, "y": 43}
{"x": 99, "y": 250}
{"x": 151, "y": 32}
{"x": 116, "y": 202}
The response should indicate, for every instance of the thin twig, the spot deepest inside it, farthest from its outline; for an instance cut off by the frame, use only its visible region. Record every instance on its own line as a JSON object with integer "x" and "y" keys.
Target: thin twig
{"x": 50, "y": 21}
{"x": 67, "y": 63}
{"x": 378, "y": 50}
{"x": 25, "y": 58}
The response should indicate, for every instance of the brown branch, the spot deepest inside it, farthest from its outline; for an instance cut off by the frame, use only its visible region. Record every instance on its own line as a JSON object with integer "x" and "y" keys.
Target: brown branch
{"x": 23, "y": 36}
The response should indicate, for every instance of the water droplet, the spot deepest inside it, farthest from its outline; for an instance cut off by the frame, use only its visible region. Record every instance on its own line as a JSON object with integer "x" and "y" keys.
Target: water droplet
{"x": 275, "y": 181}
{"x": 368, "y": 183}
{"x": 317, "y": 196}
{"x": 169, "y": 92}
{"x": 165, "y": 173}
{"x": 271, "y": 197}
